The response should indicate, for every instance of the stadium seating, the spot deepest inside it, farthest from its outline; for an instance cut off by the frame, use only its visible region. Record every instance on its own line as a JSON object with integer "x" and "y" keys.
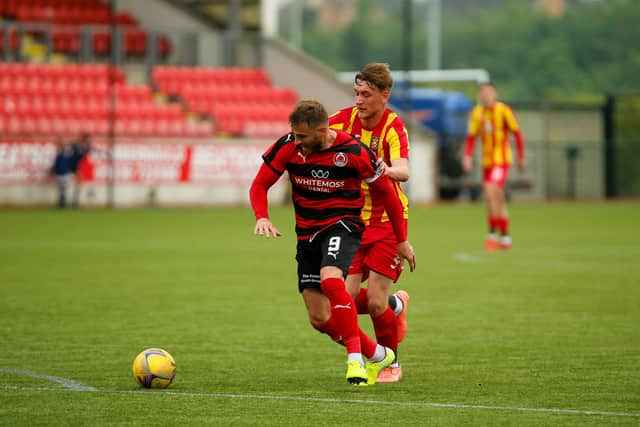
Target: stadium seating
{"x": 66, "y": 100}
{"x": 241, "y": 100}
{"x": 13, "y": 40}
{"x": 69, "y": 17}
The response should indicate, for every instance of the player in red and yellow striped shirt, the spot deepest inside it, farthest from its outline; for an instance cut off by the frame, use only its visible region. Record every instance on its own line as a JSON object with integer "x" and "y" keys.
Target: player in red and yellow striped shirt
{"x": 492, "y": 121}
{"x": 377, "y": 260}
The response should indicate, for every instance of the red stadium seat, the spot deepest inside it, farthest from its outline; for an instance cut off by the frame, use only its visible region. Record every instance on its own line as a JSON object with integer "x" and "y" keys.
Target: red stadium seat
{"x": 125, "y": 18}
{"x": 163, "y": 46}
{"x": 135, "y": 42}
{"x": 101, "y": 42}
{"x": 13, "y": 42}
{"x": 66, "y": 40}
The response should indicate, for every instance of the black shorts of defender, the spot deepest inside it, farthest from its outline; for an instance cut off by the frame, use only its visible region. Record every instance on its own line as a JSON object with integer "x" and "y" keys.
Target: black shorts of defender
{"x": 336, "y": 246}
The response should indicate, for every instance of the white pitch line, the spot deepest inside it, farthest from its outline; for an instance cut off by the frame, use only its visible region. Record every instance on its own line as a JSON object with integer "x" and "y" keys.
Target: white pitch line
{"x": 558, "y": 411}
{"x": 67, "y": 383}
{"x": 465, "y": 257}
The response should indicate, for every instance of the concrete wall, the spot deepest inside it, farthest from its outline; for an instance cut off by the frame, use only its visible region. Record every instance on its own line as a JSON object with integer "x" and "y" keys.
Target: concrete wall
{"x": 549, "y": 131}
{"x": 310, "y": 78}
{"x": 421, "y": 187}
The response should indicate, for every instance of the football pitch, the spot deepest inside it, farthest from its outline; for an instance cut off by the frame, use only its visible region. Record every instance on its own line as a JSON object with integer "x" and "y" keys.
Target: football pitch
{"x": 545, "y": 334}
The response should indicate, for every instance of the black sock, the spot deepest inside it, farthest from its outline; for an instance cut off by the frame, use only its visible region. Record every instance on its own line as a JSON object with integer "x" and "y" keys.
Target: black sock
{"x": 393, "y": 303}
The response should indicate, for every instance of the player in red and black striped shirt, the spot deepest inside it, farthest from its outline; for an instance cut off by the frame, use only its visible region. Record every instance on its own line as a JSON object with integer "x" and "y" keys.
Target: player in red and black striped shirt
{"x": 326, "y": 168}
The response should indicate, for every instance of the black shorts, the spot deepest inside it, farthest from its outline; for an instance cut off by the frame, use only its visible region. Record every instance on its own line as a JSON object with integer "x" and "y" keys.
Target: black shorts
{"x": 335, "y": 246}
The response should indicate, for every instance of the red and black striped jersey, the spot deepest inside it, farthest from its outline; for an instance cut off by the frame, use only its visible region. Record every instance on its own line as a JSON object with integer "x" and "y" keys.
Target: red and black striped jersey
{"x": 325, "y": 186}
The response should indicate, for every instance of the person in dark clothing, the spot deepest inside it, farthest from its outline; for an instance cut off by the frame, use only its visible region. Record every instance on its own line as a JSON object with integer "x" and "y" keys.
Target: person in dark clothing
{"x": 62, "y": 168}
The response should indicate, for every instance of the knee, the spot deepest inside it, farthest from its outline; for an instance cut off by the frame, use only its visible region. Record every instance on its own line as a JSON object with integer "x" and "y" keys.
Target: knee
{"x": 377, "y": 306}
{"x": 317, "y": 320}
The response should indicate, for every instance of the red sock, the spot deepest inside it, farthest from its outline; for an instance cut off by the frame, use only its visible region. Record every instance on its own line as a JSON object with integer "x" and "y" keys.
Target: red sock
{"x": 504, "y": 225}
{"x": 367, "y": 344}
{"x": 343, "y": 323}
{"x": 493, "y": 223}
{"x": 386, "y": 327}
{"x": 361, "y": 301}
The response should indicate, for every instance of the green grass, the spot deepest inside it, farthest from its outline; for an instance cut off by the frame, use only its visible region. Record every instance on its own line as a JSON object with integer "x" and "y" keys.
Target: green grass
{"x": 553, "y": 324}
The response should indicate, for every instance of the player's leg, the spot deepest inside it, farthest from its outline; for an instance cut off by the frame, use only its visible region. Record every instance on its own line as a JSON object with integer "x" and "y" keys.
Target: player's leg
{"x": 384, "y": 320}
{"x": 503, "y": 219}
{"x": 384, "y": 268}
{"x": 324, "y": 314}
{"x": 359, "y": 272}
{"x": 396, "y": 302}
{"x": 492, "y": 199}
{"x": 354, "y": 281}
{"x": 322, "y": 319}
{"x": 378, "y": 357}
{"x": 385, "y": 323}
{"x": 399, "y": 302}
{"x": 330, "y": 311}
{"x": 338, "y": 247}
{"x": 503, "y": 214}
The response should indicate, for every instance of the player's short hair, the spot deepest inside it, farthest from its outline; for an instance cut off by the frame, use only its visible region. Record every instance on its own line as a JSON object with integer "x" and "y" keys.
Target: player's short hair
{"x": 489, "y": 83}
{"x": 377, "y": 74}
{"x": 309, "y": 111}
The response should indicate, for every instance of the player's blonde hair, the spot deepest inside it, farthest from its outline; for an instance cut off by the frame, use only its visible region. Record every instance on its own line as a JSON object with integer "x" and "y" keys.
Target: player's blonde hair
{"x": 377, "y": 74}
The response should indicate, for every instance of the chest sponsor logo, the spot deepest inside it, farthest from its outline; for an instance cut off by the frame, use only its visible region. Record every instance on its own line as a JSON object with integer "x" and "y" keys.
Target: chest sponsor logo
{"x": 319, "y": 184}
{"x": 320, "y": 174}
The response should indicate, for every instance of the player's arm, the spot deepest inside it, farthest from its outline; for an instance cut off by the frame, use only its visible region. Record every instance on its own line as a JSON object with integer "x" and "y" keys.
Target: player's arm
{"x": 514, "y": 127}
{"x": 398, "y": 145}
{"x": 467, "y": 158}
{"x": 399, "y": 170}
{"x": 469, "y": 142}
{"x": 380, "y": 188}
{"x": 520, "y": 149}
{"x": 265, "y": 178}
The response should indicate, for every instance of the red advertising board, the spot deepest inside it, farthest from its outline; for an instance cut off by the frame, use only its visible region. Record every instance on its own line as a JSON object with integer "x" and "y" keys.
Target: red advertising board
{"x": 138, "y": 162}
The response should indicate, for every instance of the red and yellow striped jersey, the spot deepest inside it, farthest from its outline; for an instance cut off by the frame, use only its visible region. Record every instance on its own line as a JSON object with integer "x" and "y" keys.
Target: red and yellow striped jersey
{"x": 389, "y": 140}
{"x": 492, "y": 125}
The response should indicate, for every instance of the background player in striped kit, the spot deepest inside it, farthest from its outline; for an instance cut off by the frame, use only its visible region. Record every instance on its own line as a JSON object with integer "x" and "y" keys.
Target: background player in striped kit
{"x": 492, "y": 121}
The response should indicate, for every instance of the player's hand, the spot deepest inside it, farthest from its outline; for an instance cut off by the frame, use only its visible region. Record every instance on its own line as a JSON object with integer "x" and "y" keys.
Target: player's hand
{"x": 522, "y": 165}
{"x": 264, "y": 227}
{"x": 405, "y": 250}
{"x": 467, "y": 163}
{"x": 383, "y": 167}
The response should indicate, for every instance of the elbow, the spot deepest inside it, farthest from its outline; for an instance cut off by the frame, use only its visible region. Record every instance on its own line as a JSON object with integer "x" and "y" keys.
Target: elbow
{"x": 401, "y": 175}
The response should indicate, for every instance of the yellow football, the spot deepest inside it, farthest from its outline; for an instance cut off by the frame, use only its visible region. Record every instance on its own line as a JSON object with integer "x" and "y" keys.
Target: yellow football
{"x": 154, "y": 368}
